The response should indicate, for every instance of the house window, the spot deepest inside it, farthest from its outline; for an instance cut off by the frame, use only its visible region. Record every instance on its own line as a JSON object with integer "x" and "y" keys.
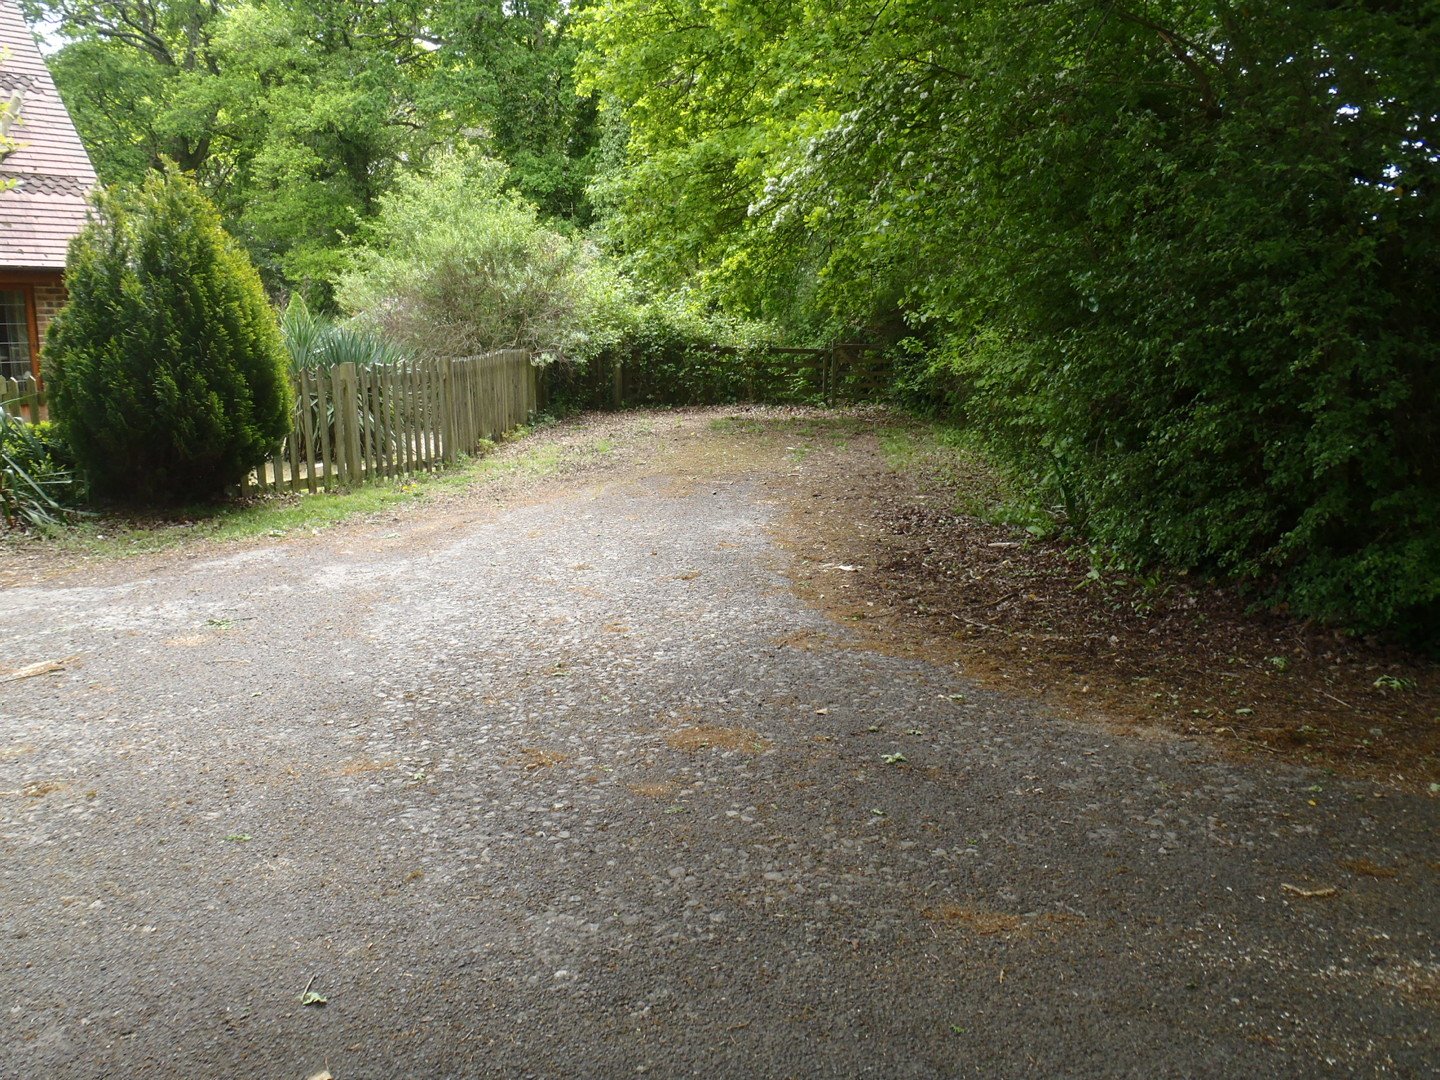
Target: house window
{"x": 16, "y": 355}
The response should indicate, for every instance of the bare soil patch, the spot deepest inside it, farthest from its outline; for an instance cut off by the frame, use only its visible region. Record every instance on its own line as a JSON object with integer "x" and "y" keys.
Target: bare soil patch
{"x": 707, "y": 737}
{"x": 893, "y": 551}
{"x": 654, "y": 789}
{"x": 537, "y": 757}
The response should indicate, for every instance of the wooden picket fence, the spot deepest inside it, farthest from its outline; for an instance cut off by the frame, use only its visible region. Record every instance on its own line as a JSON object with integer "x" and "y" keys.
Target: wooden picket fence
{"x": 358, "y": 423}
{"x": 23, "y": 398}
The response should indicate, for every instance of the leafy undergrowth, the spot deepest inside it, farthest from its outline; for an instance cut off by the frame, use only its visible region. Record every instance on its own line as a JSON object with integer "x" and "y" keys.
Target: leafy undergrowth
{"x": 904, "y": 531}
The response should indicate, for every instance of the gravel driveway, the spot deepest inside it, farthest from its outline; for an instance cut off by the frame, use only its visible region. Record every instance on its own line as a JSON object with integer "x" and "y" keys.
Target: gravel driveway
{"x": 570, "y": 783}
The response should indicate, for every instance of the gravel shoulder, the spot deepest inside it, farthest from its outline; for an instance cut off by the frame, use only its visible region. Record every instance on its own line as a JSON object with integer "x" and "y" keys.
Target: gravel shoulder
{"x": 586, "y": 771}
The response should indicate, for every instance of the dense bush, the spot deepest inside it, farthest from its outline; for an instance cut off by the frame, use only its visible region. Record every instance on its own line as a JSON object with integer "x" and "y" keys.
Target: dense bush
{"x": 455, "y": 265}
{"x": 165, "y": 369}
{"x": 671, "y": 352}
{"x": 1211, "y": 328}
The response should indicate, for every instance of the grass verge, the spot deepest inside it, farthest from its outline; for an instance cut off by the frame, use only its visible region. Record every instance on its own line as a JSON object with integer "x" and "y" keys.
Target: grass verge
{"x": 118, "y": 533}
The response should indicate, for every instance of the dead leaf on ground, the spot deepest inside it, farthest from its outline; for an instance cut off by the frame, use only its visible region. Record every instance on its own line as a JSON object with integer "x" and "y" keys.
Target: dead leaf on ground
{"x": 1309, "y": 894}
{"x": 312, "y": 997}
{"x": 975, "y": 920}
{"x": 655, "y": 789}
{"x": 38, "y": 789}
{"x": 804, "y": 640}
{"x": 44, "y": 667}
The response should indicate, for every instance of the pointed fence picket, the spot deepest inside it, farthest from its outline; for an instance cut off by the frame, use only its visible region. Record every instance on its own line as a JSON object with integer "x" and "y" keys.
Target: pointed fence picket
{"x": 356, "y": 424}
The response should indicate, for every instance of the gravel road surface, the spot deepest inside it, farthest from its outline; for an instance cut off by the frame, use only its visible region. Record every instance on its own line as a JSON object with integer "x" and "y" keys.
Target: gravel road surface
{"x": 570, "y": 783}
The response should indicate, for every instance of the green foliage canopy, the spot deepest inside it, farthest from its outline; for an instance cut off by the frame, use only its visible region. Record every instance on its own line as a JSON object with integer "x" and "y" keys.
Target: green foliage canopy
{"x": 295, "y": 116}
{"x": 1177, "y": 261}
{"x": 165, "y": 369}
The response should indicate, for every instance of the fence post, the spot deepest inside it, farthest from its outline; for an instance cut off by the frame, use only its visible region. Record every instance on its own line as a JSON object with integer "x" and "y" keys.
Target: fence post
{"x": 346, "y": 402}
{"x": 337, "y": 465}
{"x": 412, "y": 416}
{"x": 320, "y": 382}
{"x": 447, "y": 410}
{"x": 474, "y": 391}
{"x": 430, "y": 425}
{"x": 304, "y": 424}
{"x": 370, "y": 413}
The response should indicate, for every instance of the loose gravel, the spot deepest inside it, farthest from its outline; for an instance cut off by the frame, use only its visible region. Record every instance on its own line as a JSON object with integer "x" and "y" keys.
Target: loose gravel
{"x": 571, "y": 783}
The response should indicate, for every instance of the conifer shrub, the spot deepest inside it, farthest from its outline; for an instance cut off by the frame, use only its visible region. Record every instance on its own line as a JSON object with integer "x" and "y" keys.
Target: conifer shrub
{"x": 166, "y": 371}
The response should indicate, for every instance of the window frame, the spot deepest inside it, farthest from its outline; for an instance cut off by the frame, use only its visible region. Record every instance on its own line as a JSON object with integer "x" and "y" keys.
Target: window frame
{"x": 25, "y": 284}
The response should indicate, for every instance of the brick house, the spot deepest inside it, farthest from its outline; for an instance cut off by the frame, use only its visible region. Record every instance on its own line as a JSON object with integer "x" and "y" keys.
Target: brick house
{"x": 52, "y": 178}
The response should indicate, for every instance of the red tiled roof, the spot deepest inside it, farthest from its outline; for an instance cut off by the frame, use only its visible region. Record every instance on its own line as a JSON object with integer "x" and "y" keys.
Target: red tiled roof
{"x": 47, "y": 205}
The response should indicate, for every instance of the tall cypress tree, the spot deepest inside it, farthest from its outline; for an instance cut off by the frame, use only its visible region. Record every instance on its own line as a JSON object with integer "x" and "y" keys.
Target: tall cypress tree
{"x": 166, "y": 370}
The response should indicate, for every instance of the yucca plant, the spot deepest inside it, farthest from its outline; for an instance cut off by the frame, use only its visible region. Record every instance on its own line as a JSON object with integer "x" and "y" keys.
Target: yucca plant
{"x": 317, "y": 343}
{"x": 34, "y": 488}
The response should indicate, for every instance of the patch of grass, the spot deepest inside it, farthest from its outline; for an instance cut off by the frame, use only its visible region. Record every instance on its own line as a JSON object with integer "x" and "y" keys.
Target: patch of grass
{"x": 949, "y": 456}
{"x": 738, "y": 425}
{"x": 117, "y": 534}
{"x": 833, "y": 429}
{"x": 543, "y": 460}
{"x": 900, "y": 448}
{"x": 110, "y": 535}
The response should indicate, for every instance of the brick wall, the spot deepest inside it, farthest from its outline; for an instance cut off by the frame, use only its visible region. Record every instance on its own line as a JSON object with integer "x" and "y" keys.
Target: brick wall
{"x": 49, "y": 299}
